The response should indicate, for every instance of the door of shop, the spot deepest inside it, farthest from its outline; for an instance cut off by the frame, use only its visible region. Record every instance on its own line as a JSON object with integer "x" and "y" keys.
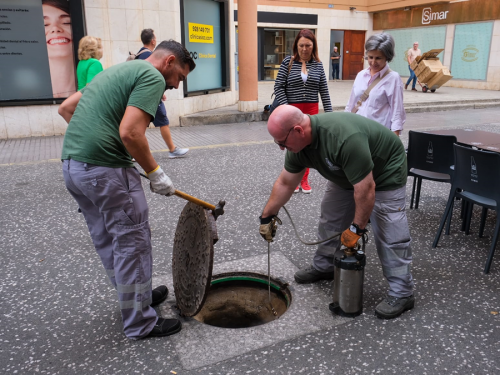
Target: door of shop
{"x": 354, "y": 50}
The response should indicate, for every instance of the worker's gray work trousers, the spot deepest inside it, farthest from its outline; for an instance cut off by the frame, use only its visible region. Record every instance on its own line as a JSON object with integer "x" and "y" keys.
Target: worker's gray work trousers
{"x": 115, "y": 209}
{"x": 389, "y": 229}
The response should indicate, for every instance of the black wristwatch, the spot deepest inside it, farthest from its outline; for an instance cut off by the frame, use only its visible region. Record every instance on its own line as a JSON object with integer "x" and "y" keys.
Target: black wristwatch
{"x": 354, "y": 228}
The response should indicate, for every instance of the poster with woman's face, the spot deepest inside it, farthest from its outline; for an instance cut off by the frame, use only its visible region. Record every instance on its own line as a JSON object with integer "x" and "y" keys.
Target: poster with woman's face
{"x": 36, "y": 50}
{"x": 59, "y": 41}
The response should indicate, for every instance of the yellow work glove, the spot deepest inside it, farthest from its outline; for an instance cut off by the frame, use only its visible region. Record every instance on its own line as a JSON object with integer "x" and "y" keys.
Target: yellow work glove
{"x": 268, "y": 226}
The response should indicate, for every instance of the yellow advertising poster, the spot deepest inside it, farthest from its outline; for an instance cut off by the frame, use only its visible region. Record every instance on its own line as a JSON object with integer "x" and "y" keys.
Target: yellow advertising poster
{"x": 199, "y": 33}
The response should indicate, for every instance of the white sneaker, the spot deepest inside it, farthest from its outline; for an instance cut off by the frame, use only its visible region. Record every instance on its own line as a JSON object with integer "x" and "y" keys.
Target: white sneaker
{"x": 178, "y": 153}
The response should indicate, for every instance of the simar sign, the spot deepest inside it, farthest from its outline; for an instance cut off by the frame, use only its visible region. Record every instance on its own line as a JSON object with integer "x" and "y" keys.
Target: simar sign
{"x": 428, "y": 15}
{"x": 438, "y": 14}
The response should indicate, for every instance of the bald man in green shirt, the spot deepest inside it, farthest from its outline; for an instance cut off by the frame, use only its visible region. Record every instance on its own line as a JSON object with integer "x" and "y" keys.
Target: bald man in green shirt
{"x": 365, "y": 165}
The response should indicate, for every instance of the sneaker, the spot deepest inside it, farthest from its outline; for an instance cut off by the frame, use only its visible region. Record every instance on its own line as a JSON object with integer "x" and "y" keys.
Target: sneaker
{"x": 391, "y": 307}
{"x": 165, "y": 327}
{"x": 297, "y": 189}
{"x": 311, "y": 275}
{"x": 178, "y": 152}
{"x": 159, "y": 294}
{"x": 306, "y": 188}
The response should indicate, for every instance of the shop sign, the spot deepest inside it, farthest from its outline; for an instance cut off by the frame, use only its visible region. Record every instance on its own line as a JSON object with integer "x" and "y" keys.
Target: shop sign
{"x": 470, "y": 54}
{"x": 199, "y": 33}
{"x": 438, "y": 14}
{"x": 428, "y": 15}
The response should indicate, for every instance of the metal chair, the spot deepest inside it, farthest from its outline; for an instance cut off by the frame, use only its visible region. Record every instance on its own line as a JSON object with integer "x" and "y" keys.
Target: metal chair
{"x": 476, "y": 180}
{"x": 430, "y": 157}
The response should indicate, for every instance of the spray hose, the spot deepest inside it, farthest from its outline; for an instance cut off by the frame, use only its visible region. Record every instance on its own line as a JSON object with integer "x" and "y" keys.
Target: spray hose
{"x": 304, "y": 242}
{"x": 364, "y": 237}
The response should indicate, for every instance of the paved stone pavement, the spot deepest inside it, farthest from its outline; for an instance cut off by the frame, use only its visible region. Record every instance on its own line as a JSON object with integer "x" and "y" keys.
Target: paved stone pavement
{"x": 59, "y": 315}
{"x": 49, "y": 148}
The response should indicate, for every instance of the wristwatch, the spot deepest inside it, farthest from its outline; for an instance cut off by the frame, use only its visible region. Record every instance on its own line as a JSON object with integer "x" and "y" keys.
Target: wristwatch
{"x": 354, "y": 228}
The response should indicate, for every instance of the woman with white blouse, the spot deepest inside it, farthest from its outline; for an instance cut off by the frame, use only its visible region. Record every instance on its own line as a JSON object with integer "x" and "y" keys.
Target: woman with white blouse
{"x": 385, "y": 101}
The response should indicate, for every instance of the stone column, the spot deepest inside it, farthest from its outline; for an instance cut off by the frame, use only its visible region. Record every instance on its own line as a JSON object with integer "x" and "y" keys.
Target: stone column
{"x": 247, "y": 55}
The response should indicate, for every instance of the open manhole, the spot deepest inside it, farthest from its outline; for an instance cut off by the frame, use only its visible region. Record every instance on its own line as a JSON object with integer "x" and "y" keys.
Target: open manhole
{"x": 241, "y": 300}
{"x": 229, "y": 300}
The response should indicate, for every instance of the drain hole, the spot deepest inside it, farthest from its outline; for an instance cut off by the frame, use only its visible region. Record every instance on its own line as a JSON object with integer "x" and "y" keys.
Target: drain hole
{"x": 241, "y": 301}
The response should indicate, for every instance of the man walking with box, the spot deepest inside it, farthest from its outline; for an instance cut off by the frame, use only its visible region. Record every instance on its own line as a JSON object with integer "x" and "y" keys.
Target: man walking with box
{"x": 412, "y": 55}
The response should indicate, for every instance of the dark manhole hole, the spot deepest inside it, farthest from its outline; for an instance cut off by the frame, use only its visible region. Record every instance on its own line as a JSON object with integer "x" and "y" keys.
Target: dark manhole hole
{"x": 241, "y": 300}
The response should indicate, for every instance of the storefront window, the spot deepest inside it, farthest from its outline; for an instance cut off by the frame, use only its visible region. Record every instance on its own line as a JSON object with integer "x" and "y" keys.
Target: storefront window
{"x": 427, "y": 37}
{"x": 276, "y": 45}
{"x": 471, "y": 50}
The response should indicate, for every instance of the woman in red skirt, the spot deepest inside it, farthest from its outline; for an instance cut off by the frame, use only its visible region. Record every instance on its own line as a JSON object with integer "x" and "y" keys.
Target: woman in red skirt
{"x": 300, "y": 79}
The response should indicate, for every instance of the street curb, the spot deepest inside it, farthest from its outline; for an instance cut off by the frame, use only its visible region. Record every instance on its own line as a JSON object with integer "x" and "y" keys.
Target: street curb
{"x": 234, "y": 117}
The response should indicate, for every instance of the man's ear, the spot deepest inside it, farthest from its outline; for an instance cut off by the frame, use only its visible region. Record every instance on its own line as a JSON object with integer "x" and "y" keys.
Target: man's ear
{"x": 170, "y": 60}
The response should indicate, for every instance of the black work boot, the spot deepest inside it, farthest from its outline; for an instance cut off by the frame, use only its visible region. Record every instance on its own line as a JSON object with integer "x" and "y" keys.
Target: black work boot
{"x": 159, "y": 294}
{"x": 311, "y": 275}
{"x": 392, "y": 307}
{"x": 165, "y": 327}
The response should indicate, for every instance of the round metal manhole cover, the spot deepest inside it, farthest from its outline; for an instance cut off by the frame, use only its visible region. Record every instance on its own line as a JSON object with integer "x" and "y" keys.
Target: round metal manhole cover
{"x": 192, "y": 258}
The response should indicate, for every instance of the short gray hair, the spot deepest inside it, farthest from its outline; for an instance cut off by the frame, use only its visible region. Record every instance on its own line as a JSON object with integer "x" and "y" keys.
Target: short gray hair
{"x": 383, "y": 43}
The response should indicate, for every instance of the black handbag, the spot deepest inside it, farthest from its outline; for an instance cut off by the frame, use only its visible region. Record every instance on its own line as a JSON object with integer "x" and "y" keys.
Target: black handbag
{"x": 271, "y": 107}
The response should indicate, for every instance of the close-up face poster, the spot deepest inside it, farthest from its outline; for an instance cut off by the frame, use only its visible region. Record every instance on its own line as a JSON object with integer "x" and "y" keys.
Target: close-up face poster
{"x": 36, "y": 50}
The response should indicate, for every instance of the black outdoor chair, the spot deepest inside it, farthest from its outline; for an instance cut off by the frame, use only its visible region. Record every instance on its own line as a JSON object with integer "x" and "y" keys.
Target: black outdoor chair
{"x": 430, "y": 157}
{"x": 476, "y": 180}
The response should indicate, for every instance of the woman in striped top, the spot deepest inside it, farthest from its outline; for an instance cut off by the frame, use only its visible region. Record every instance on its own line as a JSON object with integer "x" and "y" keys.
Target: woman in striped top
{"x": 300, "y": 78}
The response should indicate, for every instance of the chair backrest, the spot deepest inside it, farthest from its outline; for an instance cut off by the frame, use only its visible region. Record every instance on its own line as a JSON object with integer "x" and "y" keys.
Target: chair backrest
{"x": 477, "y": 171}
{"x": 431, "y": 152}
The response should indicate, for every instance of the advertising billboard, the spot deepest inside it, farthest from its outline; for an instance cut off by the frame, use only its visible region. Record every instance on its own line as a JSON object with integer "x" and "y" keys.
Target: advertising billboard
{"x": 37, "y": 50}
{"x": 204, "y": 37}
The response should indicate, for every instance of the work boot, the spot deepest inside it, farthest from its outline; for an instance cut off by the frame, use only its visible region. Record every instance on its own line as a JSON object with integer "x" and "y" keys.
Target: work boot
{"x": 159, "y": 294}
{"x": 310, "y": 275}
{"x": 177, "y": 153}
{"x": 392, "y": 307}
{"x": 165, "y": 327}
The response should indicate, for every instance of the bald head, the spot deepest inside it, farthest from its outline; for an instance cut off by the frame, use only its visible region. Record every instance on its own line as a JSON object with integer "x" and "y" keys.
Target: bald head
{"x": 283, "y": 120}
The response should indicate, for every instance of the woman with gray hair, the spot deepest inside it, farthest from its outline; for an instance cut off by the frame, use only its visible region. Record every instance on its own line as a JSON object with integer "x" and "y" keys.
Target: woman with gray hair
{"x": 377, "y": 92}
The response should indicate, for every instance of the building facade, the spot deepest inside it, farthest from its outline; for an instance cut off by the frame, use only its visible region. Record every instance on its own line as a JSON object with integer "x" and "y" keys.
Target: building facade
{"x": 468, "y": 31}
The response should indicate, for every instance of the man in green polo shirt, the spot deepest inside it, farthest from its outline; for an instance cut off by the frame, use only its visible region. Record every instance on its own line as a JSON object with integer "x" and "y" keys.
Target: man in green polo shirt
{"x": 107, "y": 127}
{"x": 365, "y": 165}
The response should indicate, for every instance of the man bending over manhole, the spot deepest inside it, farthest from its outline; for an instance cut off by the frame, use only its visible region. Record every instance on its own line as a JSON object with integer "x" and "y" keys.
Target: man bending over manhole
{"x": 365, "y": 165}
{"x": 106, "y": 130}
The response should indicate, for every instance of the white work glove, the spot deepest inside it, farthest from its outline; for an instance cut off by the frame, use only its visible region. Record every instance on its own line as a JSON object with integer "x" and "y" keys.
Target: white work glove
{"x": 160, "y": 183}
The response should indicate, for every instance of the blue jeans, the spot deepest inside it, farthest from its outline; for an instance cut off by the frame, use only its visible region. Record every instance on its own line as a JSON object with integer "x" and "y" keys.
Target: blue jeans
{"x": 335, "y": 71}
{"x": 412, "y": 76}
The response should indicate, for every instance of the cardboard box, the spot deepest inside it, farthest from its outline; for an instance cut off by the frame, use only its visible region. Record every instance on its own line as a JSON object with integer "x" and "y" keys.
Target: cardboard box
{"x": 439, "y": 79}
{"x": 427, "y": 69}
{"x": 432, "y": 54}
{"x": 414, "y": 65}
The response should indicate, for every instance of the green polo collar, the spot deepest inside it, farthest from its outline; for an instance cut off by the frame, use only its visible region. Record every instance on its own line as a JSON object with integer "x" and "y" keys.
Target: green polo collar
{"x": 314, "y": 134}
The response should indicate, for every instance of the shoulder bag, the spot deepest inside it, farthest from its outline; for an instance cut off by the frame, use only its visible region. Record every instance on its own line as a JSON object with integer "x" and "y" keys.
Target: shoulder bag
{"x": 367, "y": 92}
